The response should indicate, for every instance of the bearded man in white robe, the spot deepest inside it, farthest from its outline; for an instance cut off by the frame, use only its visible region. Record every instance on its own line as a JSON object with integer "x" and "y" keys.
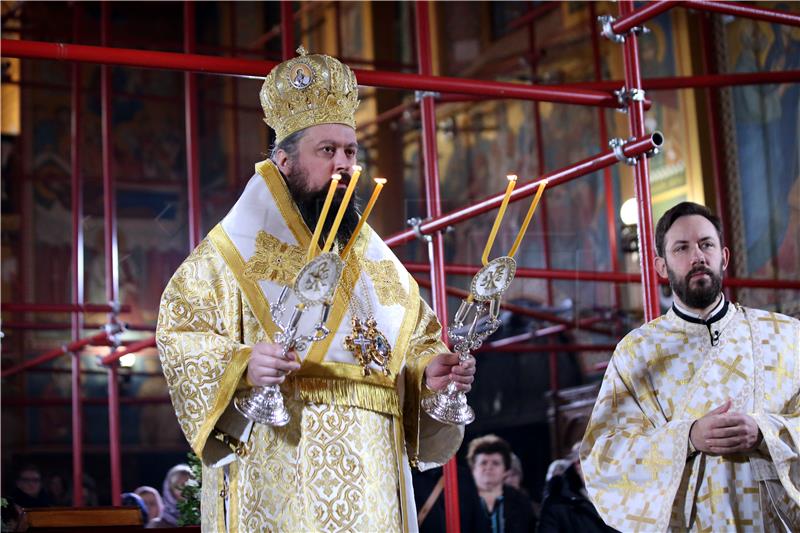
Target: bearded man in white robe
{"x": 697, "y": 423}
{"x": 342, "y": 463}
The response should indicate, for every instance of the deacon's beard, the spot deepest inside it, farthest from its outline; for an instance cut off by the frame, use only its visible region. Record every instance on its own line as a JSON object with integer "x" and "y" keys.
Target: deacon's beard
{"x": 310, "y": 203}
{"x": 703, "y": 293}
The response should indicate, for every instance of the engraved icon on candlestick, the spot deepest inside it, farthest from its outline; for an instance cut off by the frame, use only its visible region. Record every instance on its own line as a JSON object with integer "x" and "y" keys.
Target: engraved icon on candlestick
{"x": 477, "y": 316}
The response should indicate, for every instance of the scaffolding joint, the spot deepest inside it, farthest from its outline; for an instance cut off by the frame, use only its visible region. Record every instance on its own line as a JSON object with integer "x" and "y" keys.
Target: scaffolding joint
{"x": 416, "y": 225}
{"x": 625, "y": 97}
{"x": 419, "y": 95}
{"x": 617, "y": 144}
{"x": 607, "y": 29}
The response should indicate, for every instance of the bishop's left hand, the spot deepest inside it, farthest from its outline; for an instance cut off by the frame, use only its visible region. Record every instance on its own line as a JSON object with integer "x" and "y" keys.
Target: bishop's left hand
{"x": 445, "y": 368}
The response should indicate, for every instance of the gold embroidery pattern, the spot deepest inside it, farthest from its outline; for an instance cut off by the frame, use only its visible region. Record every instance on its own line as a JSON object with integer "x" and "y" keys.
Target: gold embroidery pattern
{"x": 386, "y": 281}
{"x": 197, "y": 334}
{"x": 274, "y": 260}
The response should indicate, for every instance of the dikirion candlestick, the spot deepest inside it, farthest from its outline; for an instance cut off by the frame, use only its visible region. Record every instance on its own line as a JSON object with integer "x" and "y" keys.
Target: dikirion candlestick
{"x": 528, "y": 217}
{"x": 512, "y": 181}
{"x": 342, "y": 208}
{"x": 379, "y": 183}
{"x": 312, "y": 247}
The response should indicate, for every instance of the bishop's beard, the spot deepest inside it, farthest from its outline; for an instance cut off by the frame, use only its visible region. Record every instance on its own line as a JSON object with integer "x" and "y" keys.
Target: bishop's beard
{"x": 310, "y": 203}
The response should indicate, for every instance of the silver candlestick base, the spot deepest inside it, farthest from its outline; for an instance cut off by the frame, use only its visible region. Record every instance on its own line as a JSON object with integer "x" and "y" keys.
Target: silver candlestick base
{"x": 449, "y": 406}
{"x": 263, "y": 405}
{"x": 483, "y": 306}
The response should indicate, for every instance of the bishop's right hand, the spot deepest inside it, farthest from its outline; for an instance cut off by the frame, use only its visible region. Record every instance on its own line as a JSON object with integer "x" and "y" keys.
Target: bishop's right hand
{"x": 267, "y": 367}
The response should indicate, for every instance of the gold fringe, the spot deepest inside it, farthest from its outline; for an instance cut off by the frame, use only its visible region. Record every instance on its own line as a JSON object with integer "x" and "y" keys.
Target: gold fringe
{"x": 355, "y": 394}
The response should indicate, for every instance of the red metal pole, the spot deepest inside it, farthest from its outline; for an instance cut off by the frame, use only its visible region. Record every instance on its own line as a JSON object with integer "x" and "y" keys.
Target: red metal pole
{"x": 53, "y": 354}
{"x": 712, "y": 106}
{"x": 287, "y": 32}
{"x": 237, "y": 170}
{"x": 112, "y": 259}
{"x": 744, "y": 11}
{"x": 633, "y": 81}
{"x": 696, "y": 82}
{"x": 638, "y": 17}
{"x": 633, "y": 148}
{"x": 608, "y": 184}
{"x": 77, "y": 269}
{"x": 540, "y": 159}
{"x": 436, "y": 245}
{"x": 190, "y": 112}
{"x": 61, "y": 308}
{"x": 246, "y": 67}
{"x": 541, "y": 348}
{"x": 611, "y": 277}
{"x": 49, "y": 402}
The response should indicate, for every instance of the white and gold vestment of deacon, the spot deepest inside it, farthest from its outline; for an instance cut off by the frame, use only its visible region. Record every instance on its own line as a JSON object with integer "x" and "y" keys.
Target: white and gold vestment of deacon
{"x": 665, "y": 375}
{"x": 342, "y": 462}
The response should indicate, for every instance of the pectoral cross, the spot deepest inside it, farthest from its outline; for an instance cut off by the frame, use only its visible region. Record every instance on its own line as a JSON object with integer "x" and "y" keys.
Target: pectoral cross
{"x": 369, "y": 345}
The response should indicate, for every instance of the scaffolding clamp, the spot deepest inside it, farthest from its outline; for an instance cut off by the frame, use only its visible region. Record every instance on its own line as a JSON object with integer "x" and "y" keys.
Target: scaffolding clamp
{"x": 419, "y": 95}
{"x": 617, "y": 145}
{"x": 416, "y": 225}
{"x": 627, "y": 96}
{"x": 607, "y": 31}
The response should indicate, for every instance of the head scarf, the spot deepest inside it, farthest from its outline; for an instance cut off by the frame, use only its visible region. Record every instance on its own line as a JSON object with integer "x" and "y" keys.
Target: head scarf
{"x": 170, "y": 514}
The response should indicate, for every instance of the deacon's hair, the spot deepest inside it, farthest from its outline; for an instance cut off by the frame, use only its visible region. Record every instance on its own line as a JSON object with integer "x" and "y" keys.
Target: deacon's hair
{"x": 681, "y": 210}
{"x": 290, "y": 145}
{"x": 489, "y": 444}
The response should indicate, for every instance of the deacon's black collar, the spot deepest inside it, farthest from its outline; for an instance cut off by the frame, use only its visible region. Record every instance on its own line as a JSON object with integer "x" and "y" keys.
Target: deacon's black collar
{"x": 708, "y": 323}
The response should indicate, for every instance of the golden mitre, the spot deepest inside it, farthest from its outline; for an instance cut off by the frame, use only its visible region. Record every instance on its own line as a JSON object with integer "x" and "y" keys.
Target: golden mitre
{"x": 306, "y": 91}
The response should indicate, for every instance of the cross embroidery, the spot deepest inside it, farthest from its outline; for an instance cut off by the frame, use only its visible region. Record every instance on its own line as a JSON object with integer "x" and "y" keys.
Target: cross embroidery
{"x": 653, "y": 462}
{"x": 662, "y": 359}
{"x": 603, "y": 455}
{"x": 626, "y": 486}
{"x": 780, "y": 370}
{"x": 731, "y": 369}
{"x": 774, "y": 320}
{"x": 643, "y": 518}
{"x": 712, "y": 494}
{"x": 699, "y": 413}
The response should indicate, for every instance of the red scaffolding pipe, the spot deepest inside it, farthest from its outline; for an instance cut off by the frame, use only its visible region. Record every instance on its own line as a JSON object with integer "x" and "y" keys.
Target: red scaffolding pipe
{"x": 61, "y": 308}
{"x": 433, "y": 207}
{"x": 54, "y": 353}
{"x": 49, "y": 402}
{"x": 611, "y": 277}
{"x": 77, "y": 269}
{"x": 641, "y": 172}
{"x": 111, "y": 257}
{"x": 539, "y": 348}
{"x": 602, "y": 132}
{"x": 744, "y": 11}
{"x": 287, "y": 31}
{"x": 635, "y": 148}
{"x": 640, "y": 16}
{"x": 259, "y": 68}
{"x": 190, "y": 114}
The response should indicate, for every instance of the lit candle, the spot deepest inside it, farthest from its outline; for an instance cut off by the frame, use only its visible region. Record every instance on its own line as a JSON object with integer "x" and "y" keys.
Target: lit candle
{"x": 512, "y": 181}
{"x": 312, "y": 248}
{"x": 528, "y": 218}
{"x": 340, "y": 214}
{"x": 379, "y": 183}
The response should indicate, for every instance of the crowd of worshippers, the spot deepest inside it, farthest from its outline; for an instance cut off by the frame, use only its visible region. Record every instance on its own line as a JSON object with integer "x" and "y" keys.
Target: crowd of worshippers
{"x": 33, "y": 489}
{"x": 492, "y": 498}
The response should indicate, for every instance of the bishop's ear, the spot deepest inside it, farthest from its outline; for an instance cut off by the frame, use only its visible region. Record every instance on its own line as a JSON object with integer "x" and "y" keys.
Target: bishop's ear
{"x": 283, "y": 162}
{"x": 661, "y": 266}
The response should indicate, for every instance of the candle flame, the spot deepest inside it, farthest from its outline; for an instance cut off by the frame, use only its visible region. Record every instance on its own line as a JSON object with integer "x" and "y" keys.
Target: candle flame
{"x": 380, "y": 181}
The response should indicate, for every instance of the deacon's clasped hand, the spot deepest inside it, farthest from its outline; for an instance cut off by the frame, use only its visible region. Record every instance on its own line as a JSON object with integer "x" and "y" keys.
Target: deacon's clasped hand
{"x": 445, "y": 368}
{"x": 724, "y": 432}
{"x": 267, "y": 367}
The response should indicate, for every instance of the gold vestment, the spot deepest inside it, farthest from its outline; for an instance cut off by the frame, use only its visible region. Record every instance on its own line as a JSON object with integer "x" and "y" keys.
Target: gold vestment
{"x": 342, "y": 463}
